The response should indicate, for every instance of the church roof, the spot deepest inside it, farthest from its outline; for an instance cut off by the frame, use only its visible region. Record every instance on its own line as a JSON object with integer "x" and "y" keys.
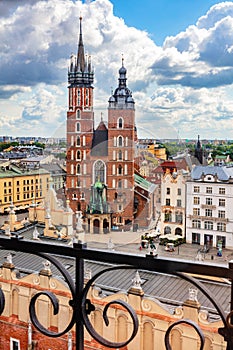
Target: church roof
{"x": 100, "y": 141}
{"x": 101, "y": 126}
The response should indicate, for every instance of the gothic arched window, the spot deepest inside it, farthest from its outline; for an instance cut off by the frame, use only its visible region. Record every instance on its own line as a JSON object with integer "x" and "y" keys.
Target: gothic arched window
{"x": 78, "y": 141}
{"x": 78, "y": 155}
{"x": 120, "y": 141}
{"x": 120, "y": 123}
{"x": 99, "y": 171}
{"x": 78, "y": 169}
{"x": 78, "y": 128}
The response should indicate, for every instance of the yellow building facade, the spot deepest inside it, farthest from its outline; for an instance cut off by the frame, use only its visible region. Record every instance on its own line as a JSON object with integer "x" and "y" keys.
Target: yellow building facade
{"x": 22, "y": 186}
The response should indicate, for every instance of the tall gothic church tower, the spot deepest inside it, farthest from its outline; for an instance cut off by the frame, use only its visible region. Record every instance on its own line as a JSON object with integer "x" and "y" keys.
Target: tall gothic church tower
{"x": 80, "y": 127}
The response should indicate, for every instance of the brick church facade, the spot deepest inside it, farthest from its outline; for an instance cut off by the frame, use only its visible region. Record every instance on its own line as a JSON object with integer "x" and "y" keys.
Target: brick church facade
{"x": 101, "y": 180}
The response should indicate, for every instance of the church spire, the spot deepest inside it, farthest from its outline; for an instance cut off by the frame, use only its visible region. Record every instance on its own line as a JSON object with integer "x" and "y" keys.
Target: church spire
{"x": 80, "y": 55}
{"x": 80, "y": 71}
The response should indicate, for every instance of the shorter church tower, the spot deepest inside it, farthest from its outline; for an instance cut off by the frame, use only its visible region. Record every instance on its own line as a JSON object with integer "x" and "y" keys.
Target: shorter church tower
{"x": 121, "y": 151}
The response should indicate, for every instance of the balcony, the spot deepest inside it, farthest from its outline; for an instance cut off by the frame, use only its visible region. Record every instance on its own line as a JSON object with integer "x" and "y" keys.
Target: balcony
{"x": 82, "y": 293}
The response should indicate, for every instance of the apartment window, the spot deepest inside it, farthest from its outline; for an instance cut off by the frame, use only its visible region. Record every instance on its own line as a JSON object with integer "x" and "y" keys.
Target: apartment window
{"x": 208, "y": 189}
{"x": 208, "y": 212}
{"x": 168, "y": 190}
{"x": 179, "y": 217}
{"x": 17, "y": 183}
{"x": 168, "y": 216}
{"x": 178, "y": 202}
{"x": 196, "y": 189}
{"x": 221, "y": 213}
{"x": 14, "y": 344}
{"x": 17, "y": 197}
{"x": 222, "y": 190}
{"x": 208, "y": 225}
{"x": 221, "y": 226}
{"x": 221, "y": 202}
{"x": 196, "y": 223}
{"x": 196, "y": 211}
{"x": 9, "y": 183}
{"x": 167, "y": 201}
{"x": 208, "y": 201}
{"x": 179, "y": 191}
{"x": 196, "y": 200}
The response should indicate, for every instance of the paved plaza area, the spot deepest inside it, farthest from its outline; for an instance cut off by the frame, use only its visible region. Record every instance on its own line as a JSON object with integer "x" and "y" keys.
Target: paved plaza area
{"x": 131, "y": 242}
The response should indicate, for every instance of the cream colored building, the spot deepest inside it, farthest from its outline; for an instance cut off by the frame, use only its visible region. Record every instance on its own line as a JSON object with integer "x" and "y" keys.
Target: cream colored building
{"x": 154, "y": 318}
{"x": 173, "y": 200}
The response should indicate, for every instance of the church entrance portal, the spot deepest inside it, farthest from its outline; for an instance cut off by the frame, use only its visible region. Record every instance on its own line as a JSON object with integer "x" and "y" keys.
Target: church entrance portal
{"x": 96, "y": 226}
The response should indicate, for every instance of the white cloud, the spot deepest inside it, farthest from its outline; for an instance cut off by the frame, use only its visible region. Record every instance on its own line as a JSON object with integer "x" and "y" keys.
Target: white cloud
{"x": 183, "y": 85}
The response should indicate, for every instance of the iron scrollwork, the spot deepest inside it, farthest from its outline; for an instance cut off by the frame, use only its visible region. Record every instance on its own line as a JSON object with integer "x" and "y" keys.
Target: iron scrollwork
{"x": 190, "y": 323}
{"x": 126, "y": 306}
{"x": 53, "y": 300}
{"x": 227, "y": 330}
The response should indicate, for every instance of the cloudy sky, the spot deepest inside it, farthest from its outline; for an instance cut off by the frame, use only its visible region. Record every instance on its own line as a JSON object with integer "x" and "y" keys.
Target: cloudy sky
{"x": 178, "y": 55}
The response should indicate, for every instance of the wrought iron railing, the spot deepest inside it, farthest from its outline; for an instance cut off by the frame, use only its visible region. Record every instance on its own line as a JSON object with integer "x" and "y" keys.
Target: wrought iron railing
{"x": 82, "y": 306}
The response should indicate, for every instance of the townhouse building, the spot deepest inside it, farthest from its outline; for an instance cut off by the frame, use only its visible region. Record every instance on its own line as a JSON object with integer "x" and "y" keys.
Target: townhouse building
{"x": 209, "y": 216}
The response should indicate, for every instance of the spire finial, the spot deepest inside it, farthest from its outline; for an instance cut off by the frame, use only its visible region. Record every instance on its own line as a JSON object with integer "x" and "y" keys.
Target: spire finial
{"x": 122, "y": 59}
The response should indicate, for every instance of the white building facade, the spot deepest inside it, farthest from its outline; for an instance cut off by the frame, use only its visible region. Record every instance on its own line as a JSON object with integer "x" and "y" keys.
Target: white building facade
{"x": 209, "y": 202}
{"x": 173, "y": 203}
